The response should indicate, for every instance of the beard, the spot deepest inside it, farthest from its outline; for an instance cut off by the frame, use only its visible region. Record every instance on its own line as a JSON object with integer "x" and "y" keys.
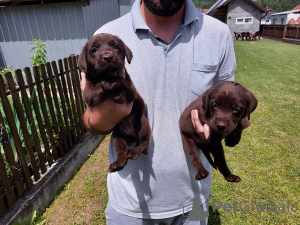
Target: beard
{"x": 164, "y": 7}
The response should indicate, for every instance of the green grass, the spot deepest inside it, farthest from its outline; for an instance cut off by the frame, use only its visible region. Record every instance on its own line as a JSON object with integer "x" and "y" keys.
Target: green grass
{"x": 267, "y": 159}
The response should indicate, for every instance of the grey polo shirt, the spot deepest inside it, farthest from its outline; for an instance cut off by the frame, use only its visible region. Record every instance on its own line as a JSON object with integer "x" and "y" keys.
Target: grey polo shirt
{"x": 168, "y": 77}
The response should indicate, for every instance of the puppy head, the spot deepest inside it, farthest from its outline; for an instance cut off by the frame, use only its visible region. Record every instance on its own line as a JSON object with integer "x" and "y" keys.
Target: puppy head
{"x": 103, "y": 54}
{"x": 226, "y": 104}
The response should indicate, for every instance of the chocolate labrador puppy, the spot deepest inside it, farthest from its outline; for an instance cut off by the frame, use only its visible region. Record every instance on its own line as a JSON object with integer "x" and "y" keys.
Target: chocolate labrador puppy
{"x": 221, "y": 107}
{"x": 102, "y": 58}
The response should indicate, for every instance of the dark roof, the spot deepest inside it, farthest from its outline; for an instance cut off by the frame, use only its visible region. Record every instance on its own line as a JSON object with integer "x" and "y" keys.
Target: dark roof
{"x": 221, "y": 3}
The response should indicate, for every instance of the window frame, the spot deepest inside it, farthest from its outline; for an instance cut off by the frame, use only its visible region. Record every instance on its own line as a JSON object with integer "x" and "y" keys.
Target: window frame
{"x": 244, "y": 20}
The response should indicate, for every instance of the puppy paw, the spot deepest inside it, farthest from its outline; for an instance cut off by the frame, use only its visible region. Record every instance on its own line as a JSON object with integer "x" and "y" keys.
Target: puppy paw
{"x": 233, "y": 178}
{"x": 131, "y": 154}
{"x": 117, "y": 166}
{"x": 201, "y": 174}
{"x": 230, "y": 142}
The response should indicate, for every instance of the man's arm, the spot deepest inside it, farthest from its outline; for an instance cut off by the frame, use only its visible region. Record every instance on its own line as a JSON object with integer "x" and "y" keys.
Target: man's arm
{"x": 101, "y": 119}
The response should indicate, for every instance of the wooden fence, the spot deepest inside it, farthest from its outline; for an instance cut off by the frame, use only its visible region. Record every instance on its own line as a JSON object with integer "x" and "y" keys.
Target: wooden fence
{"x": 41, "y": 120}
{"x": 282, "y": 32}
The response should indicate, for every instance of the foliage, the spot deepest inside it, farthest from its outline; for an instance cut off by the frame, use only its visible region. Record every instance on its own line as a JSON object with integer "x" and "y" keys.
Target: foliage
{"x": 204, "y": 4}
{"x": 278, "y": 5}
{"x": 32, "y": 220}
{"x": 39, "y": 53}
{"x": 5, "y": 70}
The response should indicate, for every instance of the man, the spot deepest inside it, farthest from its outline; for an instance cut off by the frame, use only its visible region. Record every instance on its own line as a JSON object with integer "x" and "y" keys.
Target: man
{"x": 178, "y": 53}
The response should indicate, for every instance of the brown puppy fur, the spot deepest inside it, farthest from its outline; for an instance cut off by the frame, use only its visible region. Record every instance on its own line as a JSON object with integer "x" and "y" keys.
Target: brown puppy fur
{"x": 102, "y": 58}
{"x": 221, "y": 107}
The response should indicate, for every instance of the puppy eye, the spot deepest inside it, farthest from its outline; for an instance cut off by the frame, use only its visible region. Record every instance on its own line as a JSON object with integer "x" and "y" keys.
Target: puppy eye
{"x": 116, "y": 46}
{"x": 237, "y": 110}
{"x": 94, "y": 49}
{"x": 214, "y": 105}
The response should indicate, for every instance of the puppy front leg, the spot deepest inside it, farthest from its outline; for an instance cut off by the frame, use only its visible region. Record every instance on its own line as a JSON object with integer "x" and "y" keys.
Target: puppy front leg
{"x": 143, "y": 140}
{"x": 234, "y": 137}
{"x": 121, "y": 150}
{"x": 93, "y": 95}
{"x": 190, "y": 147}
{"x": 219, "y": 159}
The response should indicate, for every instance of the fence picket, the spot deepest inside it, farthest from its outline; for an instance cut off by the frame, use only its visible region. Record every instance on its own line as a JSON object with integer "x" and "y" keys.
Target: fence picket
{"x": 78, "y": 92}
{"x": 67, "y": 101}
{"x": 6, "y": 184}
{"x": 62, "y": 134}
{"x": 63, "y": 103}
{"x": 28, "y": 109}
{"x": 38, "y": 116}
{"x": 52, "y": 124}
{"x": 51, "y": 108}
{"x": 13, "y": 129}
{"x": 70, "y": 88}
{"x": 42, "y": 101}
{"x": 27, "y": 139}
{"x": 74, "y": 105}
{"x": 18, "y": 183}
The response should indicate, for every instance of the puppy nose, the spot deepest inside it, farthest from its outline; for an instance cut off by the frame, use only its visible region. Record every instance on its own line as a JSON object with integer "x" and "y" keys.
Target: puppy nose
{"x": 221, "y": 126}
{"x": 107, "y": 57}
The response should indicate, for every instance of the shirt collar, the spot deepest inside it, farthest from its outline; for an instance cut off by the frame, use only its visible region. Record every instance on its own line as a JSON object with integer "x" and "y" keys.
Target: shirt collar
{"x": 191, "y": 14}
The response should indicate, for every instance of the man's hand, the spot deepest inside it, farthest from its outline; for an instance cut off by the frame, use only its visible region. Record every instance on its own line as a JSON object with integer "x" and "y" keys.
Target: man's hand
{"x": 203, "y": 130}
{"x": 101, "y": 119}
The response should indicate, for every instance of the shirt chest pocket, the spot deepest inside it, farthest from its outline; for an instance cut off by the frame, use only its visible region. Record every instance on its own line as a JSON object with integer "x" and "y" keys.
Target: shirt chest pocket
{"x": 202, "y": 77}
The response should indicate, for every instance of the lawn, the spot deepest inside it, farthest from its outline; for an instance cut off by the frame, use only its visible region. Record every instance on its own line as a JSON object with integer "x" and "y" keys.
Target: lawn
{"x": 267, "y": 159}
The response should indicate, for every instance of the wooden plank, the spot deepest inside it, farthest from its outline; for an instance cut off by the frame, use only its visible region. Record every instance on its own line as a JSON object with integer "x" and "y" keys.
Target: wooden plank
{"x": 70, "y": 88}
{"x": 63, "y": 103}
{"x": 76, "y": 94}
{"x": 18, "y": 183}
{"x": 13, "y": 129}
{"x": 60, "y": 124}
{"x": 67, "y": 100}
{"x": 2, "y": 205}
{"x": 19, "y": 110}
{"x": 81, "y": 102}
{"x": 28, "y": 109}
{"x": 51, "y": 108}
{"x": 38, "y": 116}
{"x": 42, "y": 101}
{"x": 10, "y": 197}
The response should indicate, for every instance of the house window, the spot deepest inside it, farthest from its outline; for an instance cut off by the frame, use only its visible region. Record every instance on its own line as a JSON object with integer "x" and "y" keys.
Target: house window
{"x": 282, "y": 20}
{"x": 245, "y": 20}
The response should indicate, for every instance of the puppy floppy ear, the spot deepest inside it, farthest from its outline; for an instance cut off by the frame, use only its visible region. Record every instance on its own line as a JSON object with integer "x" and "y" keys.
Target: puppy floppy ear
{"x": 128, "y": 54}
{"x": 206, "y": 103}
{"x": 251, "y": 103}
{"x": 82, "y": 59}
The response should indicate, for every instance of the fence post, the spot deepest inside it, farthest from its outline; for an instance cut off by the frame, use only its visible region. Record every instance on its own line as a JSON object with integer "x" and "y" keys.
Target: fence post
{"x": 284, "y": 31}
